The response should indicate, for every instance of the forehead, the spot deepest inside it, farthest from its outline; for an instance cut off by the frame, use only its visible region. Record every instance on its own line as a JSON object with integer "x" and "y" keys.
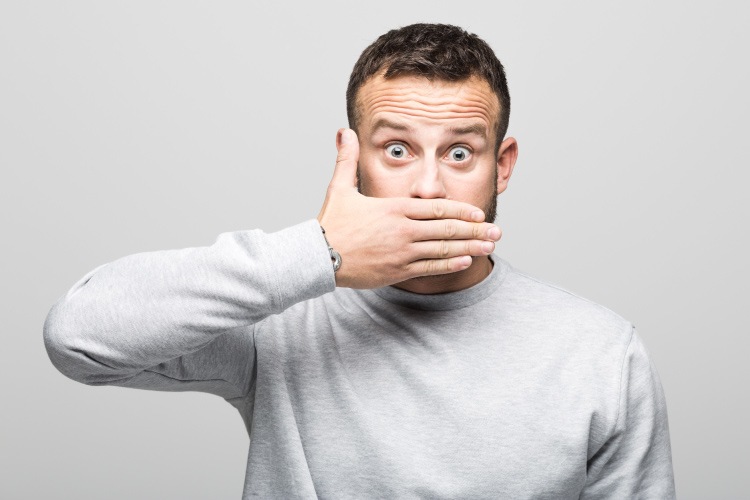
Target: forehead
{"x": 417, "y": 98}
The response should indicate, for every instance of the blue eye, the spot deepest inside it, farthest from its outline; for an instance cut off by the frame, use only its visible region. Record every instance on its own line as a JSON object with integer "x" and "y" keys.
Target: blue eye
{"x": 396, "y": 150}
{"x": 459, "y": 153}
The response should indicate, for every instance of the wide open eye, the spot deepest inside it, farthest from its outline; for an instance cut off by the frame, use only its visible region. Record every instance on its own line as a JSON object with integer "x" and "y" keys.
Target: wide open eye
{"x": 459, "y": 153}
{"x": 397, "y": 151}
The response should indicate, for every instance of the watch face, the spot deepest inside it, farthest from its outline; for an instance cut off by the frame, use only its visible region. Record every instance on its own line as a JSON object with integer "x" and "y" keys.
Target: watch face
{"x": 336, "y": 258}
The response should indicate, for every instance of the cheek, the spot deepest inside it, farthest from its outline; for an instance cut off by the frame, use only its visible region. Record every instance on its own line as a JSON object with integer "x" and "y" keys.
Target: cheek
{"x": 380, "y": 181}
{"x": 477, "y": 187}
{"x": 365, "y": 169}
{"x": 378, "y": 184}
{"x": 370, "y": 183}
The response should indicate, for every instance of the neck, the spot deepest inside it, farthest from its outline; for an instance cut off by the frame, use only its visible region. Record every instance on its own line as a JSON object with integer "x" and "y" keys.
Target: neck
{"x": 479, "y": 269}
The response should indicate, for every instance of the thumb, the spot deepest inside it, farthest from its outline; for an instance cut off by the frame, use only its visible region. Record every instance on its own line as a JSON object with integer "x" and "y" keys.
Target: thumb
{"x": 345, "y": 174}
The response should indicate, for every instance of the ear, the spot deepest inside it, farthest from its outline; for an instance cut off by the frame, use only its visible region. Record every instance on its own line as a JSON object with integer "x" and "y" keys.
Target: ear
{"x": 506, "y": 160}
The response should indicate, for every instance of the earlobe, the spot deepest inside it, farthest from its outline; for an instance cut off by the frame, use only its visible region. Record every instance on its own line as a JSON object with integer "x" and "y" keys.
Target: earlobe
{"x": 506, "y": 160}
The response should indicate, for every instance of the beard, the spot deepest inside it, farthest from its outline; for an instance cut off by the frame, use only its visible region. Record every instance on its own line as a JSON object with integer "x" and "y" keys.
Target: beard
{"x": 489, "y": 209}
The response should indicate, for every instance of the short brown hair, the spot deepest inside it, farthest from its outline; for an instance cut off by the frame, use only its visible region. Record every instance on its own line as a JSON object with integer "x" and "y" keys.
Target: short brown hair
{"x": 434, "y": 51}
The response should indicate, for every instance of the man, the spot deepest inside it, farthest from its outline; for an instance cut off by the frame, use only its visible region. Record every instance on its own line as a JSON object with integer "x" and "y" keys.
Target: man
{"x": 392, "y": 356}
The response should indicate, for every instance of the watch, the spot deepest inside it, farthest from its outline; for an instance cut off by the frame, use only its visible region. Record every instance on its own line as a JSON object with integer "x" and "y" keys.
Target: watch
{"x": 335, "y": 256}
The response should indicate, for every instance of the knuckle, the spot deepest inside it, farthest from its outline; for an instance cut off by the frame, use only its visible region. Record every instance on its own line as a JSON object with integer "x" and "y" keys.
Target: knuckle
{"x": 450, "y": 230}
{"x": 405, "y": 231}
{"x": 438, "y": 209}
{"x": 405, "y": 272}
{"x": 393, "y": 209}
{"x": 447, "y": 265}
{"x": 430, "y": 267}
{"x": 443, "y": 249}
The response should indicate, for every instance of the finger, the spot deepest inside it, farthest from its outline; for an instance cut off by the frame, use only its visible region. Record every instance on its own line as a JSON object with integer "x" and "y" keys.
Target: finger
{"x": 431, "y": 267}
{"x": 452, "y": 229}
{"x": 440, "y": 208}
{"x": 445, "y": 249}
{"x": 345, "y": 173}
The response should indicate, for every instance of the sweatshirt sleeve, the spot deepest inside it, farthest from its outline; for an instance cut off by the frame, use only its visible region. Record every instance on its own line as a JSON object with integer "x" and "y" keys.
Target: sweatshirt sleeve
{"x": 636, "y": 460}
{"x": 181, "y": 320}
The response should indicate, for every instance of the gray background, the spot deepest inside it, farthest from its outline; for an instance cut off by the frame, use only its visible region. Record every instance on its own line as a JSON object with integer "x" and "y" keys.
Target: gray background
{"x": 137, "y": 126}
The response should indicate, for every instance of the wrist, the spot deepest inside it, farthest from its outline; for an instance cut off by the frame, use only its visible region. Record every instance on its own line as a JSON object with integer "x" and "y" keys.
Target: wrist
{"x": 335, "y": 256}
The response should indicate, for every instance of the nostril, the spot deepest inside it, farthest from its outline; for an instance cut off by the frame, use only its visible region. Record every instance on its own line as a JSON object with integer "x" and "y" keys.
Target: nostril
{"x": 428, "y": 189}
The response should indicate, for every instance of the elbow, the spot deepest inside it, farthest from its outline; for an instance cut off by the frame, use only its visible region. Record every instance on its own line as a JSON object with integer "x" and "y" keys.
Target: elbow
{"x": 71, "y": 350}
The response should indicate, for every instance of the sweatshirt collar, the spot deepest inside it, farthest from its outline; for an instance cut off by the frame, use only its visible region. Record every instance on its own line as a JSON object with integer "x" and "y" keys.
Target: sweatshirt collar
{"x": 450, "y": 300}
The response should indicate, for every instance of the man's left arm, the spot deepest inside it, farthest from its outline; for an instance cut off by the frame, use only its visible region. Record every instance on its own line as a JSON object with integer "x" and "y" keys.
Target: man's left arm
{"x": 636, "y": 460}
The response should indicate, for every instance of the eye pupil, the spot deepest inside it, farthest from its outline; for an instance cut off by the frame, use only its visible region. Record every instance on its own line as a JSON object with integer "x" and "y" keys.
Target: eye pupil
{"x": 397, "y": 151}
{"x": 459, "y": 155}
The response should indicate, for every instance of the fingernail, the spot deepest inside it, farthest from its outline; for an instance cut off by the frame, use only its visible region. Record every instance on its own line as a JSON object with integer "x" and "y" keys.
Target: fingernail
{"x": 494, "y": 233}
{"x": 477, "y": 215}
{"x": 346, "y": 136}
{"x": 488, "y": 246}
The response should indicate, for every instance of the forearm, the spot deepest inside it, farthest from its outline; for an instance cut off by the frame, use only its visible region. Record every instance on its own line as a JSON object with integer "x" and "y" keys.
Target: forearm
{"x": 148, "y": 308}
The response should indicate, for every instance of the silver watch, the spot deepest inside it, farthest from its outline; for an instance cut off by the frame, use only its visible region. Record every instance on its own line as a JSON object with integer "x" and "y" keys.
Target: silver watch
{"x": 335, "y": 256}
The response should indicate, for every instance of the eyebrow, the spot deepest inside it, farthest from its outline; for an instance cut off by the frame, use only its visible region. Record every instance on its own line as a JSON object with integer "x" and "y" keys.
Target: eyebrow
{"x": 384, "y": 123}
{"x": 474, "y": 128}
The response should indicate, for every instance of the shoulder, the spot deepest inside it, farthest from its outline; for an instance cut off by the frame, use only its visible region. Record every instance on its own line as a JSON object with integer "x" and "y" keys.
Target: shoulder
{"x": 559, "y": 311}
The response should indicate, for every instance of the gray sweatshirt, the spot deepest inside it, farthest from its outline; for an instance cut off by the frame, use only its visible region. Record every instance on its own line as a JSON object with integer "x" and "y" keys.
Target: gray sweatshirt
{"x": 513, "y": 388}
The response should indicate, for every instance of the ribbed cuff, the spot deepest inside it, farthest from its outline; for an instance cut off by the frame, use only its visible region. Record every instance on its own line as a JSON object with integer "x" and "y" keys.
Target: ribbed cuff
{"x": 301, "y": 264}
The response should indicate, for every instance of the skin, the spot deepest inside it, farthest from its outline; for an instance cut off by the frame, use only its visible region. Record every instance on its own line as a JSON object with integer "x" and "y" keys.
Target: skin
{"x": 434, "y": 140}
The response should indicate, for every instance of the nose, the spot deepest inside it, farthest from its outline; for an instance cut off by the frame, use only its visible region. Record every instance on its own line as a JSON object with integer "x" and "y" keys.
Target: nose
{"x": 428, "y": 182}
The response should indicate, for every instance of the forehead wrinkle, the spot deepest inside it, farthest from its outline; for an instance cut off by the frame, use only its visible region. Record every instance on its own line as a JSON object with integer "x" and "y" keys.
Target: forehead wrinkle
{"x": 427, "y": 91}
{"x": 450, "y": 104}
{"x": 425, "y": 101}
{"x": 409, "y": 89}
{"x": 452, "y": 112}
{"x": 445, "y": 115}
{"x": 419, "y": 97}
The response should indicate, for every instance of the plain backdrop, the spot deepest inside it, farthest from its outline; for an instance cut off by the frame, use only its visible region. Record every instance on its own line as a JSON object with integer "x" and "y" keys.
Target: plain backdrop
{"x": 138, "y": 126}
